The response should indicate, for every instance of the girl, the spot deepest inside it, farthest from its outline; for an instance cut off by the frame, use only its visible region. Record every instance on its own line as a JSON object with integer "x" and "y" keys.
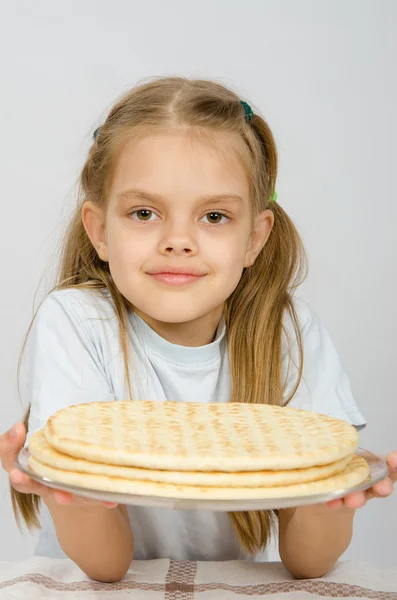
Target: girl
{"x": 176, "y": 283}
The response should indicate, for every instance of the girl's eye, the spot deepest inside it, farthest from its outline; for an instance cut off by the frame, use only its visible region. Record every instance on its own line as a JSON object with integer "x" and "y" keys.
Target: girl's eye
{"x": 143, "y": 214}
{"x": 215, "y": 218}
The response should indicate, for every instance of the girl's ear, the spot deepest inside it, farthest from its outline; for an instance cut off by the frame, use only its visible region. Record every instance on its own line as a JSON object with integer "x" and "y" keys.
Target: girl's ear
{"x": 94, "y": 224}
{"x": 263, "y": 226}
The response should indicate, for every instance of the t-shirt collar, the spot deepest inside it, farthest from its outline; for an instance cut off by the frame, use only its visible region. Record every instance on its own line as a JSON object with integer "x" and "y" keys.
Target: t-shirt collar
{"x": 174, "y": 352}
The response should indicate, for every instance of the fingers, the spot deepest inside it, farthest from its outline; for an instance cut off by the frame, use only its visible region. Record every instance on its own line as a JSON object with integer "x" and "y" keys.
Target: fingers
{"x": 11, "y": 444}
{"x": 81, "y": 501}
{"x": 90, "y": 502}
{"x": 381, "y": 490}
{"x": 25, "y": 485}
{"x": 355, "y": 500}
{"x": 65, "y": 498}
{"x": 392, "y": 462}
{"x": 335, "y": 504}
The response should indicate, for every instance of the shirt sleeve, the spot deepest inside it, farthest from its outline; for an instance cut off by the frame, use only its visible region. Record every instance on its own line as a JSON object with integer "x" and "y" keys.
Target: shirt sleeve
{"x": 61, "y": 364}
{"x": 324, "y": 387}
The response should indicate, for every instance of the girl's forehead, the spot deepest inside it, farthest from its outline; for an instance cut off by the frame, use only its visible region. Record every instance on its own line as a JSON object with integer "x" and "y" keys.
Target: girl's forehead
{"x": 179, "y": 159}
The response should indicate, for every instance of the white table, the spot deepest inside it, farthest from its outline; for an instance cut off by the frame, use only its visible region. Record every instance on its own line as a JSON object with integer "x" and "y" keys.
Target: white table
{"x": 177, "y": 580}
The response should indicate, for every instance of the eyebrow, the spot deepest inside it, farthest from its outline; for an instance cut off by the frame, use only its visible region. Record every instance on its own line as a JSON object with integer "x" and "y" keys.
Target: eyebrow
{"x": 135, "y": 193}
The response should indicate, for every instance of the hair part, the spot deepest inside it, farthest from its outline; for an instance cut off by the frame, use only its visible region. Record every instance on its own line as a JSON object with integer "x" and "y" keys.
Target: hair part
{"x": 256, "y": 309}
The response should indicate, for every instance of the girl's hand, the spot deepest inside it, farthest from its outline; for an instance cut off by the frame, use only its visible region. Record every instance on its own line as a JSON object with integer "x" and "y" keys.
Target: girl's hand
{"x": 11, "y": 444}
{"x": 382, "y": 489}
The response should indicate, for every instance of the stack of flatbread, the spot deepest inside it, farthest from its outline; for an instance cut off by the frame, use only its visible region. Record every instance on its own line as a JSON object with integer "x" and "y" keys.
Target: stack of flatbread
{"x": 190, "y": 450}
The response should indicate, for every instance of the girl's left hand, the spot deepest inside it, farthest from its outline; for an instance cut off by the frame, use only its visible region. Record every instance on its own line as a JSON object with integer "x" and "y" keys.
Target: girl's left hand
{"x": 382, "y": 489}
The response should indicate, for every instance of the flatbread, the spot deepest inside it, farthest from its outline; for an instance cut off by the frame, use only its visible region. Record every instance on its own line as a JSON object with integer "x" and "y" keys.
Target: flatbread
{"x": 40, "y": 449}
{"x": 354, "y": 474}
{"x": 193, "y": 436}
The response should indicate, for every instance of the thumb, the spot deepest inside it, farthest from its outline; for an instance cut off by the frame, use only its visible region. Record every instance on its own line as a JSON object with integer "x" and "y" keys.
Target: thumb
{"x": 13, "y": 441}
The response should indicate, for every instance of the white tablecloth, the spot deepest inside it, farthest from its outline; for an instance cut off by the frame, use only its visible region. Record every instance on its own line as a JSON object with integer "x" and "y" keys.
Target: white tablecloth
{"x": 178, "y": 580}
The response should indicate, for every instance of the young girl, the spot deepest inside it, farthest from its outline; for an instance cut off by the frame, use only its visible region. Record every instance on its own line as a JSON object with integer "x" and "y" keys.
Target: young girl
{"x": 176, "y": 283}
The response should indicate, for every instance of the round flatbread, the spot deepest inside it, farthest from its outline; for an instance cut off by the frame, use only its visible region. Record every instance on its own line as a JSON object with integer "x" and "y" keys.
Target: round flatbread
{"x": 355, "y": 473}
{"x": 193, "y": 436}
{"x": 40, "y": 449}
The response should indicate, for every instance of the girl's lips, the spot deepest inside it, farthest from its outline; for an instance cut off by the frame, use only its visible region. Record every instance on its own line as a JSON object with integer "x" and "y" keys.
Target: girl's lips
{"x": 176, "y": 278}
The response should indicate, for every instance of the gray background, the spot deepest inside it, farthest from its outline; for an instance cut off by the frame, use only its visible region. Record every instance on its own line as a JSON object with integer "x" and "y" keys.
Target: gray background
{"x": 324, "y": 75}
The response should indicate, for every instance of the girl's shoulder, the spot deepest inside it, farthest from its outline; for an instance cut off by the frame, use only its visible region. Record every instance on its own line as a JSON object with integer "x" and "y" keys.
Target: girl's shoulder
{"x": 80, "y": 303}
{"x": 89, "y": 311}
{"x": 314, "y": 336}
{"x": 305, "y": 316}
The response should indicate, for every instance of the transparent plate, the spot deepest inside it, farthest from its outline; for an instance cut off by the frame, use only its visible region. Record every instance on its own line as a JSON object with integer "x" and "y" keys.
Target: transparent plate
{"x": 377, "y": 467}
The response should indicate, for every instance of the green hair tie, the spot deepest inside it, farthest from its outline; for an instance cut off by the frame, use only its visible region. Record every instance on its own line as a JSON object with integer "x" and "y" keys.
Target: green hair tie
{"x": 248, "y": 113}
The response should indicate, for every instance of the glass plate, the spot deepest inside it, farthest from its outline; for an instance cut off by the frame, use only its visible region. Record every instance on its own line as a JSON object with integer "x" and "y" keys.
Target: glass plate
{"x": 377, "y": 466}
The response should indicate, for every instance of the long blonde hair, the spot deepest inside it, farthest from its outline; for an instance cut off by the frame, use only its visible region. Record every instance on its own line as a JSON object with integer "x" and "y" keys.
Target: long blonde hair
{"x": 256, "y": 310}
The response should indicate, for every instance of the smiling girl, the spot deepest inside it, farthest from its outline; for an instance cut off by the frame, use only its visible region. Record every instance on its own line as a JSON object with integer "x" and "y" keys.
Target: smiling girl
{"x": 177, "y": 283}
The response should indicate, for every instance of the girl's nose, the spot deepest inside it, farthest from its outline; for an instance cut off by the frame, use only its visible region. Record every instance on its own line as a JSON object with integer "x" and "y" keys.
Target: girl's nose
{"x": 179, "y": 240}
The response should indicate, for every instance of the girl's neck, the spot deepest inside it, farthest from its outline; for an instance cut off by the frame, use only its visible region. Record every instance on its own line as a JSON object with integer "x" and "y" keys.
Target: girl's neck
{"x": 199, "y": 332}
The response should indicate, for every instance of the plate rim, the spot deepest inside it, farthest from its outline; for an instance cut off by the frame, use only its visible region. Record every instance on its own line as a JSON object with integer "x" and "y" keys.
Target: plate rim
{"x": 377, "y": 465}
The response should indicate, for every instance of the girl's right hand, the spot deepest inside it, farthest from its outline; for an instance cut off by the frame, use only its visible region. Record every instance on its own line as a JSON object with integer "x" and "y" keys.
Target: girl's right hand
{"x": 11, "y": 443}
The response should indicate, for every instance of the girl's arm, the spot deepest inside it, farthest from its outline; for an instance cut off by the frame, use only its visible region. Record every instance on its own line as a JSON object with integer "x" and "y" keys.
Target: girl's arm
{"x": 98, "y": 539}
{"x": 62, "y": 365}
{"x": 312, "y": 538}
{"x": 96, "y": 535}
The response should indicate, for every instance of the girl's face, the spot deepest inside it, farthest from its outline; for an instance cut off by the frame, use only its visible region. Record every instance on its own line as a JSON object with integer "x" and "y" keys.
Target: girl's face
{"x": 178, "y": 228}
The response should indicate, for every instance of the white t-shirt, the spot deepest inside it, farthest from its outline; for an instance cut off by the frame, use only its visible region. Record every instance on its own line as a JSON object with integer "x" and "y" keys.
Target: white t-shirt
{"x": 73, "y": 355}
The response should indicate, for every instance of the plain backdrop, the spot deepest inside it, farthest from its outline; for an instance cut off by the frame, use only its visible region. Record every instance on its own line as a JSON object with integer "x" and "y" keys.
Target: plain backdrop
{"x": 322, "y": 72}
